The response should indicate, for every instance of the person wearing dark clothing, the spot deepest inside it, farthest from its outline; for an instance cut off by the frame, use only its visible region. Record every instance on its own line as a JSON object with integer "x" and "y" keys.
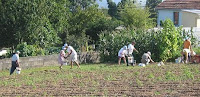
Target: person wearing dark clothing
{"x": 15, "y": 62}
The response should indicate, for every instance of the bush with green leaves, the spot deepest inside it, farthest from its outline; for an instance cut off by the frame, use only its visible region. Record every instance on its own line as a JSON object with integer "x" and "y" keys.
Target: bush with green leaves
{"x": 110, "y": 43}
{"x": 170, "y": 41}
{"x": 26, "y": 50}
{"x": 164, "y": 44}
{"x": 52, "y": 50}
{"x": 29, "y": 50}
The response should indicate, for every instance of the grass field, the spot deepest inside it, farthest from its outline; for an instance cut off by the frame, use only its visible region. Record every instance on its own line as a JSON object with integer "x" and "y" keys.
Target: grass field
{"x": 104, "y": 80}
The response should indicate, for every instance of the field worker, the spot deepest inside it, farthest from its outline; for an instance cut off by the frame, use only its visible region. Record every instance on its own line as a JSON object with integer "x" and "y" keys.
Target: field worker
{"x": 187, "y": 48}
{"x": 146, "y": 58}
{"x": 15, "y": 62}
{"x": 121, "y": 54}
{"x": 61, "y": 57}
{"x": 130, "y": 50}
{"x": 73, "y": 55}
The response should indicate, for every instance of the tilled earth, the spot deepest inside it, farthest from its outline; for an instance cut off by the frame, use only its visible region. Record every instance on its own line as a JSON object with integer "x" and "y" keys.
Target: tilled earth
{"x": 113, "y": 88}
{"x": 127, "y": 82}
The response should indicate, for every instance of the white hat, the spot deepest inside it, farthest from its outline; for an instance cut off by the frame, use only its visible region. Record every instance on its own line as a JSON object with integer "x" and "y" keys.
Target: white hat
{"x": 186, "y": 38}
{"x": 125, "y": 47}
{"x": 65, "y": 44}
{"x": 18, "y": 52}
{"x": 63, "y": 48}
{"x": 149, "y": 52}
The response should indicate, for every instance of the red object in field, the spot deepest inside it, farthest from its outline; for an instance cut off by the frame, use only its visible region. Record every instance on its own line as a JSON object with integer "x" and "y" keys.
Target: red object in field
{"x": 196, "y": 59}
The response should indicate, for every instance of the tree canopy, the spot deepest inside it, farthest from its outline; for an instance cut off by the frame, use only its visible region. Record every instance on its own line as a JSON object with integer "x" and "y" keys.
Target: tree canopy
{"x": 49, "y": 23}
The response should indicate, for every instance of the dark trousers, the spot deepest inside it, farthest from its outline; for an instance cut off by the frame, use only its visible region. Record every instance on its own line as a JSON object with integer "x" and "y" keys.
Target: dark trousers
{"x": 189, "y": 57}
{"x": 130, "y": 55}
{"x": 14, "y": 65}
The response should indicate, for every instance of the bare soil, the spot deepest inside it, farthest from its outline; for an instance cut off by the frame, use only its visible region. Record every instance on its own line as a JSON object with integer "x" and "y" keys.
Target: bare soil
{"x": 102, "y": 83}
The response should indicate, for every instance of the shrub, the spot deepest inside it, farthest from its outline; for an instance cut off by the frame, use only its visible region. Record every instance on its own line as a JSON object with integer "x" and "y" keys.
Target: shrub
{"x": 164, "y": 44}
{"x": 34, "y": 50}
{"x": 110, "y": 43}
{"x": 52, "y": 50}
{"x": 26, "y": 50}
{"x": 170, "y": 41}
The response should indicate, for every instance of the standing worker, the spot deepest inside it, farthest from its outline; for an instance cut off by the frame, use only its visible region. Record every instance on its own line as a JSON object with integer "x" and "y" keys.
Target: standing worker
{"x": 73, "y": 55}
{"x": 130, "y": 50}
{"x": 15, "y": 62}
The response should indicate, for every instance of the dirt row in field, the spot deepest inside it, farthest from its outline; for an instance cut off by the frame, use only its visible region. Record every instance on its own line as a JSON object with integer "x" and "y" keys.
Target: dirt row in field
{"x": 92, "y": 83}
{"x": 109, "y": 89}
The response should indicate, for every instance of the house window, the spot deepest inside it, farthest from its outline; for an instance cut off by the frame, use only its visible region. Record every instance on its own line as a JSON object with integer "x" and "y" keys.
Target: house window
{"x": 176, "y": 18}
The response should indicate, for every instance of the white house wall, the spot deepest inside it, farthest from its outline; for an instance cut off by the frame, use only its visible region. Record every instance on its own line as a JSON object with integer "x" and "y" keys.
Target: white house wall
{"x": 198, "y": 23}
{"x": 189, "y": 19}
{"x": 167, "y": 14}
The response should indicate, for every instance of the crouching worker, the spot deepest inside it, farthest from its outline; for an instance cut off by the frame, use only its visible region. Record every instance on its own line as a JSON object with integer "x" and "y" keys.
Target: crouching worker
{"x": 15, "y": 62}
{"x": 146, "y": 58}
{"x": 121, "y": 54}
{"x": 73, "y": 55}
{"x": 61, "y": 57}
{"x": 186, "y": 55}
{"x": 187, "y": 48}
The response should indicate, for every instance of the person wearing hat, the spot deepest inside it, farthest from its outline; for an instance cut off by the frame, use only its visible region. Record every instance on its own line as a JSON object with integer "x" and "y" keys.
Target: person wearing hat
{"x": 121, "y": 54}
{"x": 15, "y": 62}
{"x": 130, "y": 50}
{"x": 61, "y": 57}
{"x": 73, "y": 55}
{"x": 146, "y": 58}
{"x": 187, "y": 48}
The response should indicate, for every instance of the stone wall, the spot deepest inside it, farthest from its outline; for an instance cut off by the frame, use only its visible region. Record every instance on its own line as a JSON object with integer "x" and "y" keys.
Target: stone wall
{"x": 49, "y": 60}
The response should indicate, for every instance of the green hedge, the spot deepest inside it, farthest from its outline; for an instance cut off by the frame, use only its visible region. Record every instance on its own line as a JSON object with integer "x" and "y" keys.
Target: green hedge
{"x": 165, "y": 44}
{"x": 34, "y": 50}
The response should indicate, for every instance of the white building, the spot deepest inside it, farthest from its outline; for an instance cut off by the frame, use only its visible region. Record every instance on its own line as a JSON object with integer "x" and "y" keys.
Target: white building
{"x": 184, "y": 13}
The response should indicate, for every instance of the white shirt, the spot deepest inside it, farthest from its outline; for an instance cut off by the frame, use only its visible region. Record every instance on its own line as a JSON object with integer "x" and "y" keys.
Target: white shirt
{"x": 69, "y": 49}
{"x": 15, "y": 57}
{"x": 122, "y": 52}
{"x": 130, "y": 48}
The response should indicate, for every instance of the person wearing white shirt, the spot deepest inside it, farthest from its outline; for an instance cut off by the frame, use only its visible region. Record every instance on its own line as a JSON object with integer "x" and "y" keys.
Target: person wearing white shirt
{"x": 15, "y": 62}
{"x": 130, "y": 50}
{"x": 73, "y": 55}
{"x": 121, "y": 54}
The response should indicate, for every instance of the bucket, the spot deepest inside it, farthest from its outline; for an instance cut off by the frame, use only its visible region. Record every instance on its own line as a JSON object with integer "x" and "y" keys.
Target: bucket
{"x": 18, "y": 70}
{"x": 141, "y": 64}
{"x": 178, "y": 60}
{"x": 134, "y": 63}
{"x": 160, "y": 63}
{"x": 65, "y": 63}
{"x": 130, "y": 60}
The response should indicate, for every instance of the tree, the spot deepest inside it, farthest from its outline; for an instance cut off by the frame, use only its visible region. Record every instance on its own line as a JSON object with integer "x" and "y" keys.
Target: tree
{"x": 121, "y": 5}
{"x": 34, "y": 22}
{"x": 136, "y": 17}
{"x": 112, "y": 8}
{"x": 82, "y": 21}
{"x": 60, "y": 18}
{"x": 83, "y": 4}
{"x": 103, "y": 24}
{"x": 151, "y": 5}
